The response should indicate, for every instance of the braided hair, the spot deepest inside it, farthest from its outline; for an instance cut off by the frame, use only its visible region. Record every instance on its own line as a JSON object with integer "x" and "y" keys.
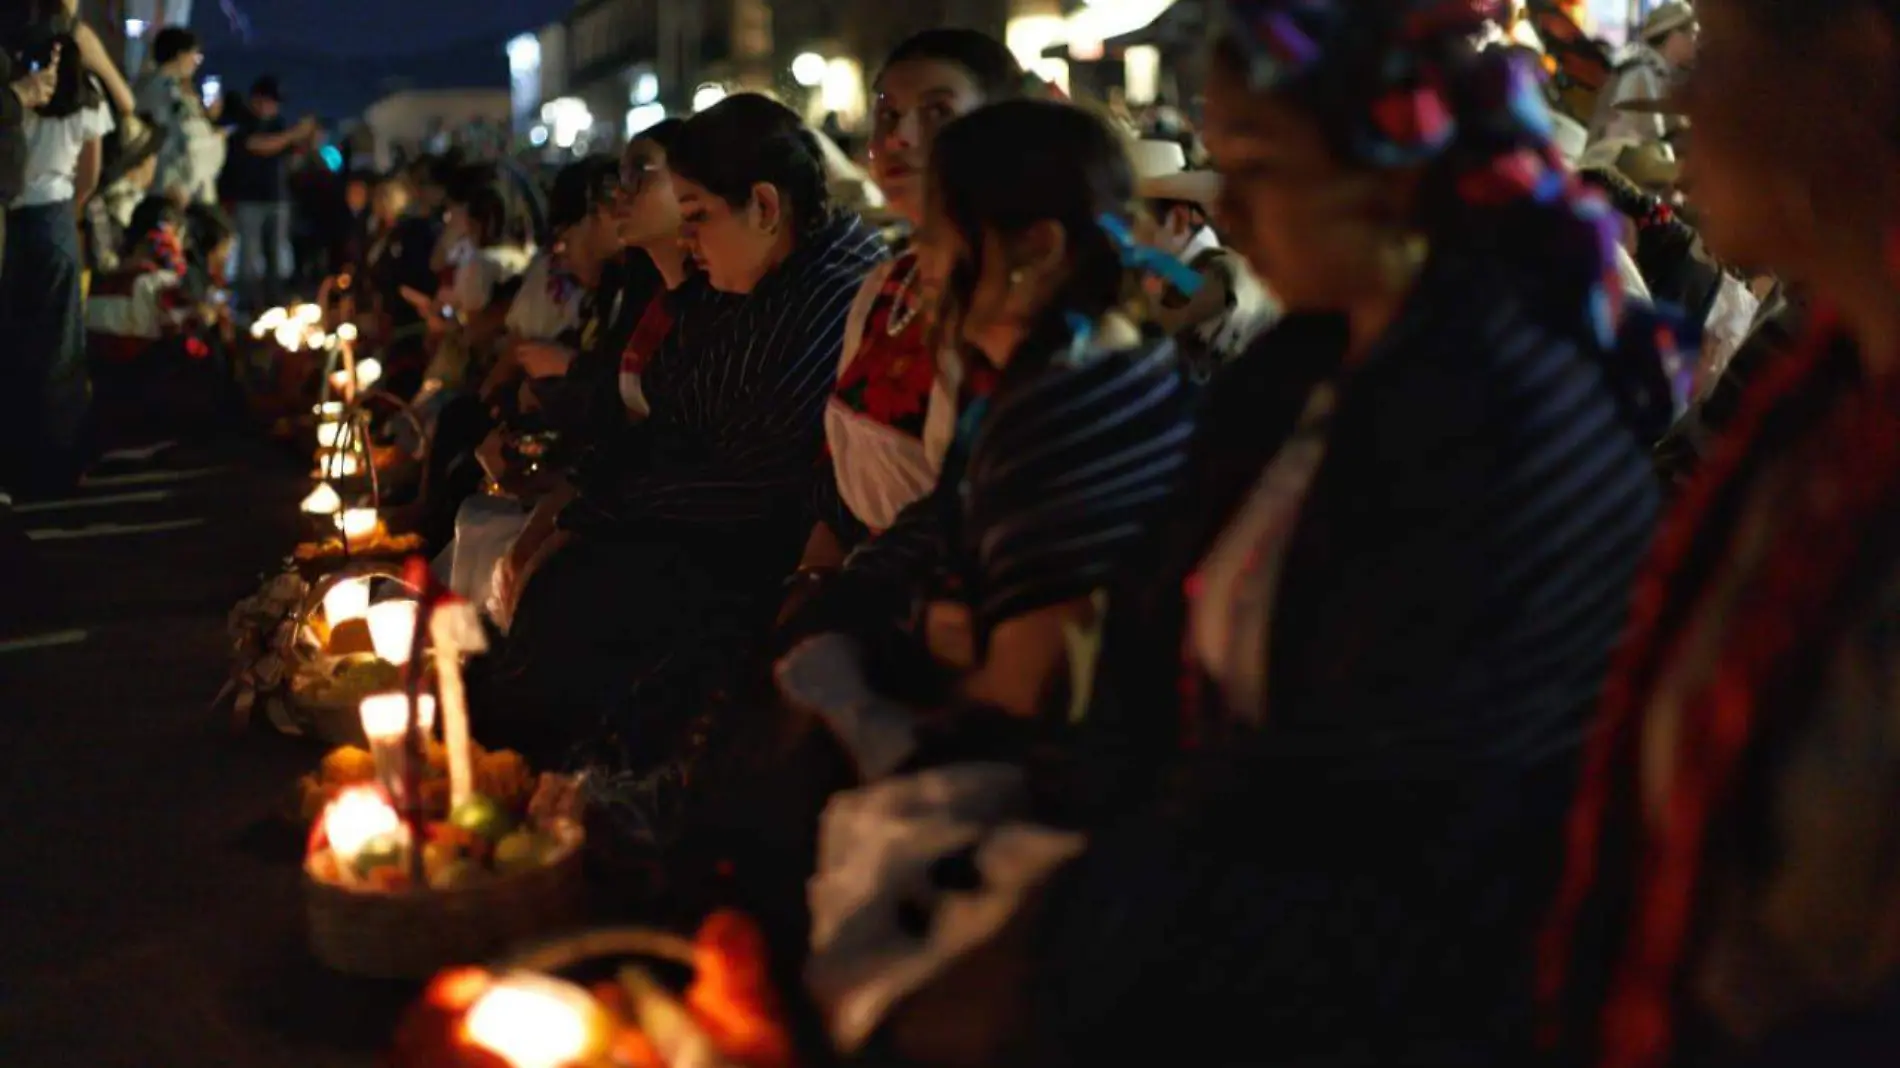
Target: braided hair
{"x": 1403, "y": 83}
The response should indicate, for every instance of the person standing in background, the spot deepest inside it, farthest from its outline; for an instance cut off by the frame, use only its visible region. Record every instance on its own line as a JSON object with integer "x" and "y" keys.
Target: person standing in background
{"x": 42, "y": 359}
{"x": 188, "y": 158}
{"x": 1665, "y": 50}
{"x": 259, "y": 189}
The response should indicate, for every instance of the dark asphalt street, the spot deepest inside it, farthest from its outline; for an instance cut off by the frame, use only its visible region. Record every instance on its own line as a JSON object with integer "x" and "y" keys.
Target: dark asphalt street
{"x": 149, "y": 900}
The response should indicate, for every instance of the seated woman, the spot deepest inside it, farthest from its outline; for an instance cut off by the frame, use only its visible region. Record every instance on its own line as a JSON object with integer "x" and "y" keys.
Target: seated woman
{"x": 1318, "y": 794}
{"x": 1071, "y": 428}
{"x": 889, "y": 419}
{"x": 570, "y": 409}
{"x": 145, "y": 327}
{"x": 667, "y": 564}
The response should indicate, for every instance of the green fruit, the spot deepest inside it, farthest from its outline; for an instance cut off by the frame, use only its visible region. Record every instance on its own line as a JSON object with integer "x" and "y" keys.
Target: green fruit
{"x": 456, "y": 875}
{"x": 483, "y": 817}
{"x": 381, "y": 852}
{"x": 517, "y": 852}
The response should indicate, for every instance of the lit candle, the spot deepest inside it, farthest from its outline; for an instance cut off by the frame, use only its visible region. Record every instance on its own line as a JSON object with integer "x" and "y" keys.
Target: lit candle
{"x": 273, "y": 318}
{"x": 357, "y": 817}
{"x": 289, "y": 336}
{"x": 328, "y": 434}
{"x": 385, "y": 721}
{"x": 322, "y": 501}
{"x": 368, "y": 372}
{"x": 340, "y": 381}
{"x": 329, "y": 410}
{"x": 339, "y": 464}
{"x": 456, "y": 630}
{"x": 392, "y": 626}
{"x": 345, "y": 601}
{"x": 357, "y": 524}
{"x": 308, "y": 314}
{"x": 532, "y": 1021}
{"x": 346, "y": 333}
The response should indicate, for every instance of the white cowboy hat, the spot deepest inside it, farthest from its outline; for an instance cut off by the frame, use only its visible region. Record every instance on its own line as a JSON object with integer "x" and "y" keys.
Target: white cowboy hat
{"x": 1161, "y": 174}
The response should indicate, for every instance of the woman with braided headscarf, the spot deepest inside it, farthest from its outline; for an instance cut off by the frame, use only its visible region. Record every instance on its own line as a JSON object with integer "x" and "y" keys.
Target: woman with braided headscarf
{"x": 1732, "y": 895}
{"x": 1373, "y": 635}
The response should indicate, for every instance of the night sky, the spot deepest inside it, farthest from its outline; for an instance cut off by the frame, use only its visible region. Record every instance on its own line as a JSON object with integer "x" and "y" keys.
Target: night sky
{"x": 337, "y": 56}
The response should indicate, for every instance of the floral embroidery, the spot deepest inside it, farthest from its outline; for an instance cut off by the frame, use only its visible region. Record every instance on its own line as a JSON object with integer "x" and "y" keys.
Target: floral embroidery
{"x": 890, "y": 379}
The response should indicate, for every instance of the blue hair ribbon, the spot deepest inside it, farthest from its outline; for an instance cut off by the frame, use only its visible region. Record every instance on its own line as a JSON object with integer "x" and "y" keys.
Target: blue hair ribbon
{"x": 1138, "y": 257}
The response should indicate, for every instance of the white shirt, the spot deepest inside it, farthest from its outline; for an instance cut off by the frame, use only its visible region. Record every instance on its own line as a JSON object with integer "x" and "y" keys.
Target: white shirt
{"x": 535, "y": 315}
{"x": 477, "y": 277}
{"x": 52, "y": 153}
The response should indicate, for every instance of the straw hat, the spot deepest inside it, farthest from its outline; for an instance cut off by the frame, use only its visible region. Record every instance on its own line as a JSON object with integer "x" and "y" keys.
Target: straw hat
{"x": 1161, "y": 173}
{"x": 1666, "y": 19}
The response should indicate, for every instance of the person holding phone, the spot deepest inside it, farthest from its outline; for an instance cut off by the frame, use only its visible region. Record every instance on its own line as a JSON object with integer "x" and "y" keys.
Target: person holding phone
{"x": 257, "y": 183}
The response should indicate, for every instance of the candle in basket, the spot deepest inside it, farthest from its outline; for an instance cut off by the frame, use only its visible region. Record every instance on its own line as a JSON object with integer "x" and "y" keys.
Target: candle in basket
{"x": 392, "y": 627}
{"x": 328, "y": 434}
{"x": 532, "y": 1021}
{"x": 347, "y": 600}
{"x": 357, "y": 524}
{"x": 385, "y": 719}
{"x": 322, "y": 501}
{"x": 338, "y": 464}
{"x": 357, "y": 822}
{"x": 456, "y": 630}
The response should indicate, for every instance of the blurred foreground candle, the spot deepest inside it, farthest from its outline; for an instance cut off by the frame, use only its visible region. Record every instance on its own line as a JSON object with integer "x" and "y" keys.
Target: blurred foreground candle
{"x": 532, "y": 1021}
{"x": 345, "y": 601}
{"x": 307, "y": 314}
{"x": 346, "y": 332}
{"x": 322, "y": 501}
{"x": 368, "y": 372}
{"x": 392, "y": 627}
{"x": 357, "y": 817}
{"x": 338, "y": 464}
{"x": 385, "y": 721}
{"x": 457, "y": 629}
{"x": 357, "y": 524}
{"x": 328, "y": 434}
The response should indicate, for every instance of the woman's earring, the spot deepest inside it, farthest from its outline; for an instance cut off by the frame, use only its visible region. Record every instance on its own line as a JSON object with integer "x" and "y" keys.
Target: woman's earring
{"x": 1016, "y": 278}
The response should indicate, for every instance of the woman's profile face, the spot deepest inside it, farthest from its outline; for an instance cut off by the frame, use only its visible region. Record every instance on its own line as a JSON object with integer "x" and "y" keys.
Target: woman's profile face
{"x": 1308, "y": 225}
{"x": 646, "y": 209}
{"x": 735, "y": 246}
{"x": 1756, "y": 136}
{"x": 915, "y": 98}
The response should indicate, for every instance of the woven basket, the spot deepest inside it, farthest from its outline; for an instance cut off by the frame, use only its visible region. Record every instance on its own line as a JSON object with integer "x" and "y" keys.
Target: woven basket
{"x": 332, "y": 723}
{"x": 413, "y": 934}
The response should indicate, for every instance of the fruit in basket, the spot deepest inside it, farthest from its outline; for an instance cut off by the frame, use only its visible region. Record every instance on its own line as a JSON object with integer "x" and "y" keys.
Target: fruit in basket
{"x": 504, "y": 776}
{"x": 457, "y": 875}
{"x": 483, "y": 817}
{"x": 348, "y": 765}
{"x": 519, "y": 852}
{"x": 383, "y": 851}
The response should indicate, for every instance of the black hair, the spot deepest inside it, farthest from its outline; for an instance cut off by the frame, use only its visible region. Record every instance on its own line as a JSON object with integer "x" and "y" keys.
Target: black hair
{"x": 206, "y": 227}
{"x": 171, "y": 42}
{"x": 667, "y": 133}
{"x": 152, "y": 213}
{"x": 496, "y": 215}
{"x": 990, "y": 64}
{"x": 268, "y": 88}
{"x": 747, "y": 139}
{"x": 1011, "y": 165}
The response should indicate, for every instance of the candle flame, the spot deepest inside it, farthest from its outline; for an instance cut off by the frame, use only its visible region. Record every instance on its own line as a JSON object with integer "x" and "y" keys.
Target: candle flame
{"x": 531, "y": 1021}
{"x": 358, "y": 815}
{"x": 322, "y": 501}
{"x": 345, "y": 601}
{"x": 392, "y": 626}
{"x": 386, "y": 715}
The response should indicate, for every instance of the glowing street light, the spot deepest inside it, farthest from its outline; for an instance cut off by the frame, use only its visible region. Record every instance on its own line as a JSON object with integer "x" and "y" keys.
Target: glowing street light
{"x": 808, "y": 69}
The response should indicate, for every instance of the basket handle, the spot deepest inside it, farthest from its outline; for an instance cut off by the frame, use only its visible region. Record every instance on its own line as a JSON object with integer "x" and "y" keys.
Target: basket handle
{"x": 611, "y": 942}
